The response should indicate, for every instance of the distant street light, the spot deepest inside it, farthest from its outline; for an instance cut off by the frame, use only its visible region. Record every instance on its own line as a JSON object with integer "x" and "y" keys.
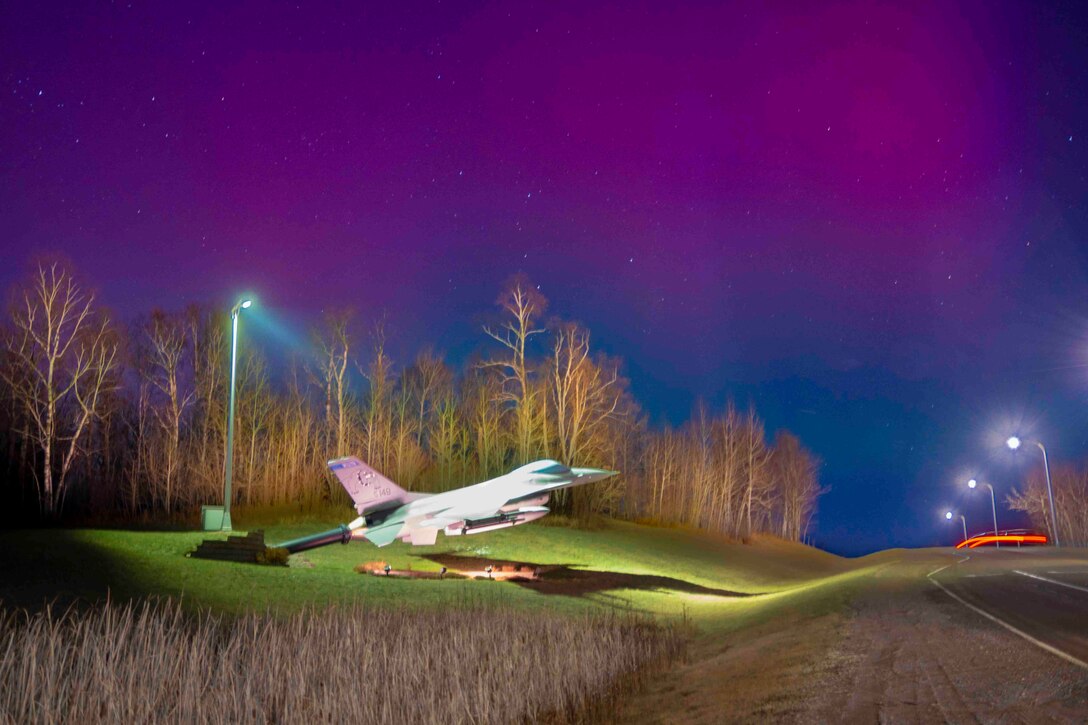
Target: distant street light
{"x": 993, "y": 503}
{"x": 1013, "y": 442}
{"x": 948, "y": 515}
{"x": 242, "y": 305}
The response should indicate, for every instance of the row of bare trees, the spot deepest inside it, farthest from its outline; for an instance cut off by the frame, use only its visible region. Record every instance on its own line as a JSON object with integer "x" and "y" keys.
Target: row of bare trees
{"x": 130, "y": 420}
{"x": 734, "y": 481}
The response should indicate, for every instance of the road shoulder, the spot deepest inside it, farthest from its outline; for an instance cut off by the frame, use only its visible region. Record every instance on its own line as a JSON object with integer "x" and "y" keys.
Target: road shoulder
{"x": 889, "y": 646}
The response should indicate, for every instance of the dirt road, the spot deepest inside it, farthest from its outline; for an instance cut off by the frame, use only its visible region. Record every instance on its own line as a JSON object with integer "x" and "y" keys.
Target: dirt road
{"x": 999, "y": 637}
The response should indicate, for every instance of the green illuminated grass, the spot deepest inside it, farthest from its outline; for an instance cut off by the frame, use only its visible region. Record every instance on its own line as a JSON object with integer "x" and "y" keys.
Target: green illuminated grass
{"x": 739, "y": 651}
{"x": 86, "y": 565}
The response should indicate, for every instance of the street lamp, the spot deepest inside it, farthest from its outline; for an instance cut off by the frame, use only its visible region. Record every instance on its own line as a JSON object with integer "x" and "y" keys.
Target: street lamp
{"x": 948, "y": 515}
{"x": 993, "y": 504}
{"x": 1013, "y": 442}
{"x": 242, "y": 305}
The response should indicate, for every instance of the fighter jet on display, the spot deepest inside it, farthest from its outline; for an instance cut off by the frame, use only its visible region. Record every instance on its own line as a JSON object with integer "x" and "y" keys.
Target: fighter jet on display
{"x": 387, "y": 512}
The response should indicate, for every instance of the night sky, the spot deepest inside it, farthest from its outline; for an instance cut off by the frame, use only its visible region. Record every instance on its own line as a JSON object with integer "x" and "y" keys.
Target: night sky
{"x": 867, "y": 221}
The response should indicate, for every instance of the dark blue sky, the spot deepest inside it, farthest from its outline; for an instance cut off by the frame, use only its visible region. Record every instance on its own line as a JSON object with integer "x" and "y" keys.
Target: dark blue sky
{"x": 868, "y": 221}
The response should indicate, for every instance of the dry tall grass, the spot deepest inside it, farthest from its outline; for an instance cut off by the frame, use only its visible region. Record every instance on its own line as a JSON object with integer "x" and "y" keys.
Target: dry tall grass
{"x": 149, "y": 663}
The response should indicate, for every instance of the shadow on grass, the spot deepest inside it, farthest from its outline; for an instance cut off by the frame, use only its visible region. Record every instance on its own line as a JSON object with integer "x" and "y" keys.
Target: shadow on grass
{"x": 564, "y": 579}
{"x": 57, "y": 569}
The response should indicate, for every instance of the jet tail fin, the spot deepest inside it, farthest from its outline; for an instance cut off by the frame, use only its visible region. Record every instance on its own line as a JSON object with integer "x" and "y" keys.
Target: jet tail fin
{"x": 370, "y": 490}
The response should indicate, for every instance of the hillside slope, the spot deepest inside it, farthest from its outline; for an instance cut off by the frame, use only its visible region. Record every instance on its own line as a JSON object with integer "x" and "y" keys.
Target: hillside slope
{"x": 655, "y": 570}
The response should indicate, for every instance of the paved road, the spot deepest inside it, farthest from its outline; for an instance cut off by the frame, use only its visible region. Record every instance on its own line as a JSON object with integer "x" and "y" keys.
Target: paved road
{"x": 1041, "y": 594}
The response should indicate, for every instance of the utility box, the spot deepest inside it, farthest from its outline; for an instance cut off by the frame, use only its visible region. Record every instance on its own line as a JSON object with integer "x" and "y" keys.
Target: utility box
{"x": 211, "y": 518}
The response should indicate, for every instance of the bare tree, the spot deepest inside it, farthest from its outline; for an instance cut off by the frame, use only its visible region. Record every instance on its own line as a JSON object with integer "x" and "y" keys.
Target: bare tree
{"x": 166, "y": 350}
{"x": 523, "y": 304}
{"x": 728, "y": 467}
{"x": 334, "y": 342}
{"x": 298, "y": 476}
{"x": 700, "y": 451}
{"x": 408, "y": 458}
{"x": 107, "y": 440}
{"x": 449, "y": 442}
{"x": 1070, "y": 488}
{"x": 481, "y": 394}
{"x": 255, "y": 403}
{"x": 62, "y": 354}
{"x": 756, "y": 482}
{"x": 585, "y": 395}
{"x": 208, "y": 345}
{"x": 795, "y": 471}
{"x": 426, "y": 380}
{"x": 378, "y": 418}
{"x": 662, "y": 465}
{"x": 139, "y": 427}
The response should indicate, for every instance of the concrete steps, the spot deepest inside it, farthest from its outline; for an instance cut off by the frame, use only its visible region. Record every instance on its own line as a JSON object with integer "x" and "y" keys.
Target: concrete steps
{"x": 244, "y": 549}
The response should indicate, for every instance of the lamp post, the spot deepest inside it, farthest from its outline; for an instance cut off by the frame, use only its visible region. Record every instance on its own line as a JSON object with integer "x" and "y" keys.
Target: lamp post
{"x": 1013, "y": 443}
{"x": 229, "y": 468}
{"x": 993, "y": 504}
{"x": 948, "y": 515}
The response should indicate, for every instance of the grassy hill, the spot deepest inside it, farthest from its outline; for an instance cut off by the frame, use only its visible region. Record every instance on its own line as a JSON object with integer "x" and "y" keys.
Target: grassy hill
{"x": 665, "y": 572}
{"x": 758, "y": 614}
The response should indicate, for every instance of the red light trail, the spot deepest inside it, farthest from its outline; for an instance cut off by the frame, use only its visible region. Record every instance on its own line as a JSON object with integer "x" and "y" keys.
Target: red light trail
{"x": 975, "y": 541}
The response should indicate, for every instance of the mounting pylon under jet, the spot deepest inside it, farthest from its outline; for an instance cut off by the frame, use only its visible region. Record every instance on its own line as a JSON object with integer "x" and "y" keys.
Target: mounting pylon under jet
{"x": 387, "y": 512}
